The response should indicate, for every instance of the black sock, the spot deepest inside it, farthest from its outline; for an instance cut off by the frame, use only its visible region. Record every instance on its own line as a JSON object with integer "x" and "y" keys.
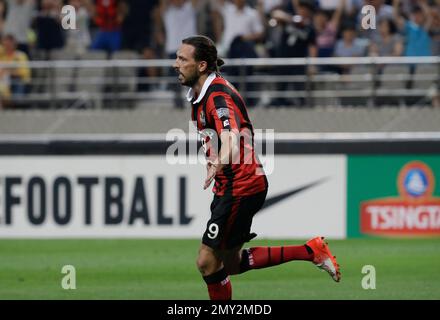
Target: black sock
{"x": 216, "y": 277}
{"x": 309, "y": 250}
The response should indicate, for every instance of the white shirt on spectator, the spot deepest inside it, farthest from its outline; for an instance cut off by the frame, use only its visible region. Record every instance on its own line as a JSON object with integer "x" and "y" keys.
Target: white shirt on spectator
{"x": 18, "y": 19}
{"x": 180, "y": 23}
{"x": 333, "y": 4}
{"x": 238, "y": 23}
{"x": 328, "y": 4}
{"x": 268, "y": 5}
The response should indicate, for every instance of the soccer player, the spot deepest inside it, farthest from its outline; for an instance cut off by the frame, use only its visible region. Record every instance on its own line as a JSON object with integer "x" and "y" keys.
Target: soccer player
{"x": 240, "y": 183}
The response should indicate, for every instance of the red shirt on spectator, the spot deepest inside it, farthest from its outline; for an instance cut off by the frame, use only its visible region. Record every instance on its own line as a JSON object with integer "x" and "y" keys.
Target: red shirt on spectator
{"x": 106, "y": 17}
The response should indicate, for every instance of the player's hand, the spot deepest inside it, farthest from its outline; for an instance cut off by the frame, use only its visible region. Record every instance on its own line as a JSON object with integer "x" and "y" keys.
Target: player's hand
{"x": 211, "y": 169}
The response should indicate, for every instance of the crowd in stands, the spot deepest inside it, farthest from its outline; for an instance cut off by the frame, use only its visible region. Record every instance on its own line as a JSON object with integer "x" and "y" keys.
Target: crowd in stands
{"x": 241, "y": 28}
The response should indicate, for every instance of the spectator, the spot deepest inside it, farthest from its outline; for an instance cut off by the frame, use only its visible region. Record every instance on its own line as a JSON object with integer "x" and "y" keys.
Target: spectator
{"x": 327, "y": 30}
{"x": 388, "y": 43}
{"x": 298, "y": 40}
{"x": 137, "y": 28}
{"x": 173, "y": 12}
{"x": 328, "y": 4}
{"x": 270, "y": 5}
{"x": 406, "y": 6}
{"x": 349, "y": 46}
{"x": 47, "y": 25}
{"x": 205, "y": 18}
{"x": 418, "y": 41}
{"x": 18, "y": 77}
{"x": 18, "y": 21}
{"x": 108, "y": 16}
{"x": 78, "y": 40}
{"x": 172, "y": 31}
{"x": 352, "y": 9}
{"x": 273, "y": 29}
{"x": 351, "y": 6}
{"x": 242, "y": 29}
{"x": 241, "y": 24}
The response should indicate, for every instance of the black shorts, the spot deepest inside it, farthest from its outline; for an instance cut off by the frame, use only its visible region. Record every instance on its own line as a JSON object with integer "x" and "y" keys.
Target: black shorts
{"x": 231, "y": 220}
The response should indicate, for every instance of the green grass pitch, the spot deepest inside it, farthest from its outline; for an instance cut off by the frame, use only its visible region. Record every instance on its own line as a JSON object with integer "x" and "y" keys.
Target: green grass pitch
{"x": 165, "y": 269}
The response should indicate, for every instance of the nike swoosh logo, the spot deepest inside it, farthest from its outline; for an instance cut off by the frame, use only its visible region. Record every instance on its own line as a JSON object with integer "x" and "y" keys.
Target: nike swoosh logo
{"x": 275, "y": 199}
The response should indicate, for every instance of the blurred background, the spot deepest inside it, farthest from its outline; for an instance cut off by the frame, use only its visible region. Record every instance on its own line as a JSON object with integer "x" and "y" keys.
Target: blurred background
{"x": 301, "y": 65}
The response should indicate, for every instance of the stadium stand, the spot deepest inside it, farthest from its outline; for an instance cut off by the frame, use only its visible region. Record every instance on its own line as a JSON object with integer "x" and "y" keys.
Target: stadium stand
{"x": 75, "y": 89}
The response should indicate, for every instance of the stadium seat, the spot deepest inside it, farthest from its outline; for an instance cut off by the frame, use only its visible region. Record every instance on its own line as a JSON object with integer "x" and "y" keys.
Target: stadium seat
{"x": 357, "y": 85}
{"x": 393, "y": 84}
{"x": 90, "y": 80}
{"x": 39, "y": 84}
{"x": 122, "y": 81}
{"x": 324, "y": 86}
{"x": 424, "y": 82}
{"x": 63, "y": 78}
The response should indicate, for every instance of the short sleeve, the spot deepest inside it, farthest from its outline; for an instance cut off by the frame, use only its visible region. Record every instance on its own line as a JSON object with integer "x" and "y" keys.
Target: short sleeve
{"x": 222, "y": 110}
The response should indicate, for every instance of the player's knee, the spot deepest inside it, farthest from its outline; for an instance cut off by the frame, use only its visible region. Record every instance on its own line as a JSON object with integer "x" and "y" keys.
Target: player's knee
{"x": 206, "y": 263}
{"x": 202, "y": 265}
{"x": 205, "y": 266}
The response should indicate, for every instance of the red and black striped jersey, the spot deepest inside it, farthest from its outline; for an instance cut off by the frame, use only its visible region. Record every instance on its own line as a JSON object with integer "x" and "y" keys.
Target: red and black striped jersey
{"x": 220, "y": 107}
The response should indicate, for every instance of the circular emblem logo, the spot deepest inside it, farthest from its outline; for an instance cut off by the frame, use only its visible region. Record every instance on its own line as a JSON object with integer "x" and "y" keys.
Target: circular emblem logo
{"x": 416, "y": 180}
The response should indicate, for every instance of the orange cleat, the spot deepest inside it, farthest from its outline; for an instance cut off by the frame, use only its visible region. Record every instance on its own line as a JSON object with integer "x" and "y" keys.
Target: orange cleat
{"x": 323, "y": 258}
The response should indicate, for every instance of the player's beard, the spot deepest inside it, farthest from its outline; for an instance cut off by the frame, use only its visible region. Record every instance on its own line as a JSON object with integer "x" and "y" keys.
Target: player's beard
{"x": 190, "y": 80}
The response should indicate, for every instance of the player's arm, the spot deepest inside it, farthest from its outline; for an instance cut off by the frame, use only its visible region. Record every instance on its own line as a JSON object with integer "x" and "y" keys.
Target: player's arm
{"x": 229, "y": 151}
{"x": 221, "y": 110}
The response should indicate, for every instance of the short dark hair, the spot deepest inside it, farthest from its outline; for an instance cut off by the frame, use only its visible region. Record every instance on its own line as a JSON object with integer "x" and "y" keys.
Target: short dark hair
{"x": 309, "y": 4}
{"x": 205, "y": 50}
{"x": 417, "y": 9}
{"x": 391, "y": 25}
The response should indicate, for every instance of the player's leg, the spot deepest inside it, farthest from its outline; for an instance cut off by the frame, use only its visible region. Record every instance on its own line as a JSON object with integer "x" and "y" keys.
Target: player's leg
{"x": 258, "y": 257}
{"x": 231, "y": 259}
{"x": 264, "y": 257}
{"x": 214, "y": 274}
{"x": 237, "y": 261}
{"x": 208, "y": 262}
{"x": 315, "y": 250}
